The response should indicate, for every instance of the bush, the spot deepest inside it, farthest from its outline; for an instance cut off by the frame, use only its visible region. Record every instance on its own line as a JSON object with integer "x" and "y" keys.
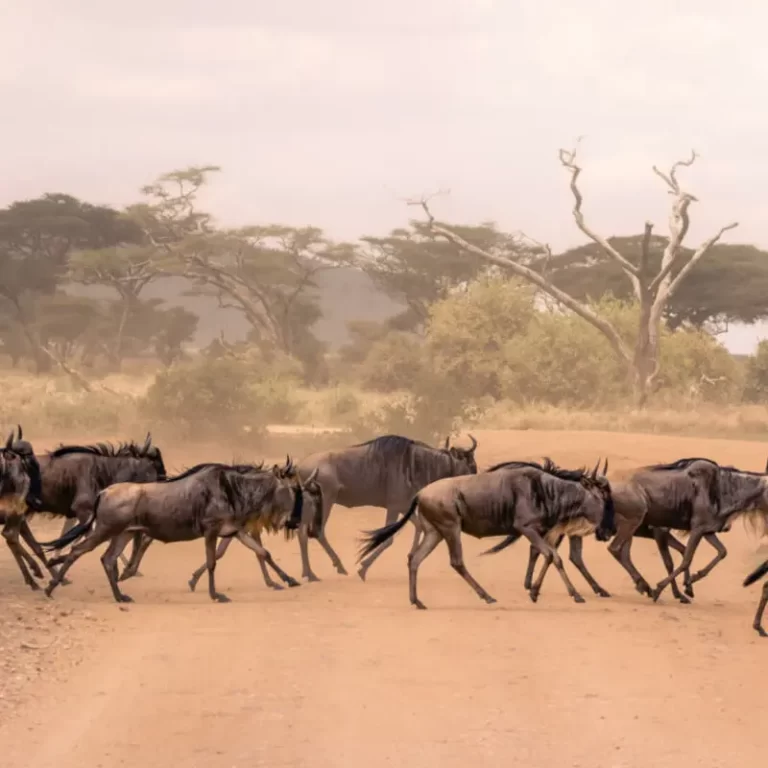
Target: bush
{"x": 392, "y": 362}
{"x": 211, "y": 396}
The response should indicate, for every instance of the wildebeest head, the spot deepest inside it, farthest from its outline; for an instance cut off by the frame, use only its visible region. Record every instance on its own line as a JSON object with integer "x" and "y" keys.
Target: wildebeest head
{"x": 313, "y": 494}
{"x": 15, "y": 479}
{"x": 23, "y": 448}
{"x": 465, "y": 457}
{"x": 597, "y": 483}
{"x": 154, "y": 454}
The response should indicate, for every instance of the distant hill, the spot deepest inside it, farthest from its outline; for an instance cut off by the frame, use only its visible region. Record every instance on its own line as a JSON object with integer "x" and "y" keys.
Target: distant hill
{"x": 345, "y": 294}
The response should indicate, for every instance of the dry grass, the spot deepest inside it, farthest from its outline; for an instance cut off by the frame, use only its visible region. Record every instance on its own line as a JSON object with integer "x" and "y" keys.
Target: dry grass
{"x": 53, "y": 406}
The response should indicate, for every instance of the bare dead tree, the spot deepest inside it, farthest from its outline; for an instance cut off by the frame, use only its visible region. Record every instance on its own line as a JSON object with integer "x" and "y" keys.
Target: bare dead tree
{"x": 652, "y": 291}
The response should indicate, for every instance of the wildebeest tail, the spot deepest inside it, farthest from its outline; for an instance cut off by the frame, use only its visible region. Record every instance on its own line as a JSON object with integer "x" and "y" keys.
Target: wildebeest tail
{"x": 376, "y": 538}
{"x": 511, "y": 539}
{"x": 74, "y": 533}
{"x": 761, "y": 570}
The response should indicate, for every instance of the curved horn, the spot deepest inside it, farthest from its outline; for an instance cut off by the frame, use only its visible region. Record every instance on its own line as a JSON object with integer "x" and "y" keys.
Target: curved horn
{"x": 474, "y": 443}
{"x": 605, "y": 468}
{"x": 9, "y": 442}
{"x": 596, "y": 469}
{"x": 147, "y": 442}
{"x": 314, "y": 474}
{"x": 447, "y": 442}
{"x": 21, "y": 434}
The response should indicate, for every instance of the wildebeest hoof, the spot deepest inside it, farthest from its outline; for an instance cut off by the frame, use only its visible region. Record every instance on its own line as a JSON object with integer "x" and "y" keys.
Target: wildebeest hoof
{"x": 220, "y": 598}
{"x": 602, "y": 593}
{"x": 192, "y": 584}
{"x": 644, "y": 588}
{"x": 49, "y": 591}
{"x": 311, "y": 577}
{"x": 534, "y": 595}
{"x": 419, "y": 605}
{"x": 688, "y": 589}
{"x": 125, "y": 599}
{"x": 36, "y": 572}
{"x": 683, "y": 599}
{"x": 292, "y": 582}
{"x": 276, "y": 587}
{"x": 33, "y": 585}
{"x": 341, "y": 570}
{"x": 361, "y": 573}
{"x": 490, "y": 600}
{"x": 761, "y": 632}
{"x": 578, "y": 599}
{"x": 656, "y": 594}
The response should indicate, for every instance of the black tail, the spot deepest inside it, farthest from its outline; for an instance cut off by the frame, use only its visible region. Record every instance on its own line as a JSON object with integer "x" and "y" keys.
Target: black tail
{"x": 375, "y": 538}
{"x": 511, "y": 539}
{"x": 761, "y": 570}
{"x": 74, "y": 533}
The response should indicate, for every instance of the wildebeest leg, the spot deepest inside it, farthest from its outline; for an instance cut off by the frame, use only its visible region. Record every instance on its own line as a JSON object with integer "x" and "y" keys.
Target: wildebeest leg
{"x": 620, "y": 548}
{"x": 223, "y": 547}
{"x": 141, "y": 543}
{"x": 722, "y": 553}
{"x": 757, "y": 624}
{"x": 662, "y": 539}
{"x": 392, "y": 514}
{"x": 210, "y": 562}
{"x": 11, "y": 536}
{"x": 109, "y": 561}
{"x": 690, "y": 551}
{"x": 576, "y": 547}
{"x": 26, "y": 534}
{"x": 432, "y": 537}
{"x": 335, "y": 559}
{"x": 533, "y": 556}
{"x": 306, "y": 569}
{"x": 92, "y": 540}
{"x": 265, "y": 558}
{"x": 453, "y": 540}
{"x": 550, "y": 556}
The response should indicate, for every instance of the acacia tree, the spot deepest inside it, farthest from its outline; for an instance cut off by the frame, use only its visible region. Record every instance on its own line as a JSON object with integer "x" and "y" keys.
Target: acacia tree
{"x": 652, "y": 290}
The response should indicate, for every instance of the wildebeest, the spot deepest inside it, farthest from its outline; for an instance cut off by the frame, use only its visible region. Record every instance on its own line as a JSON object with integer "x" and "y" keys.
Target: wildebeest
{"x": 20, "y": 490}
{"x": 73, "y": 475}
{"x": 384, "y": 472}
{"x": 575, "y": 541}
{"x": 695, "y": 495}
{"x": 208, "y": 501}
{"x": 527, "y": 501}
{"x": 312, "y": 491}
{"x": 758, "y": 573}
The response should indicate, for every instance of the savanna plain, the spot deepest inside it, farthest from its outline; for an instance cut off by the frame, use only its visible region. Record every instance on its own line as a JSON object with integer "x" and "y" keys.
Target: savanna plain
{"x": 346, "y": 673}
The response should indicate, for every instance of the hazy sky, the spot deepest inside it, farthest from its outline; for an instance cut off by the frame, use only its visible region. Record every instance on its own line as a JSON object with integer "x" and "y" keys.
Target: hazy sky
{"x": 330, "y": 112}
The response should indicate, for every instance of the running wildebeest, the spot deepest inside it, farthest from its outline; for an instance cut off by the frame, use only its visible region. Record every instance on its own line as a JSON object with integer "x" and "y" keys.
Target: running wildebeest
{"x": 526, "y": 501}
{"x": 575, "y": 541}
{"x": 312, "y": 491}
{"x": 20, "y": 490}
{"x": 207, "y": 501}
{"x": 758, "y": 573}
{"x": 695, "y": 495}
{"x": 73, "y": 475}
{"x": 384, "y": 472}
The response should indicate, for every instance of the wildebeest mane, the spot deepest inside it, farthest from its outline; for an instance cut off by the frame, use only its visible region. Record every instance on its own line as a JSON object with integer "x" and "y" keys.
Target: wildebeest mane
{"x": 548, "y": 466}
{"x": 129, "y": 449}
{"x": 679, "y": 464}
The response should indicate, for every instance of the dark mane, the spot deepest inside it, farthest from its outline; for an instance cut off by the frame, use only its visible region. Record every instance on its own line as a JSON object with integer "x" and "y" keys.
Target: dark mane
{"x": 679, "y": 464}
{"x": 129, "y": 449}
{"x": 395, "y": 444}
{"x": 239, "y": 468}
{"x": 548, "y": 466}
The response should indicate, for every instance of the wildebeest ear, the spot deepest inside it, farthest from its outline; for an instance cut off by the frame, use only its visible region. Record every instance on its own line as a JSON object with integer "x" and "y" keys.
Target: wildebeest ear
{"x": 474, "y": 443}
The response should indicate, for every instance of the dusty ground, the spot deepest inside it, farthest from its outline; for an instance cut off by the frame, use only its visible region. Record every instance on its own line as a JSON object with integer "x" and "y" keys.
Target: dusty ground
{"x": 342, "y": 673}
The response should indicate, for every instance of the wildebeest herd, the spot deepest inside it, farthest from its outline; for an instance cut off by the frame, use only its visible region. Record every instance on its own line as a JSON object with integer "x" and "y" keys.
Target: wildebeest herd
{"x": 122, "y": 494}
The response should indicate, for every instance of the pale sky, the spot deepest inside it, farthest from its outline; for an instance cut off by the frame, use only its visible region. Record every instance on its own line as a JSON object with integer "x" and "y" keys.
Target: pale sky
{"x": 330, "y": 112}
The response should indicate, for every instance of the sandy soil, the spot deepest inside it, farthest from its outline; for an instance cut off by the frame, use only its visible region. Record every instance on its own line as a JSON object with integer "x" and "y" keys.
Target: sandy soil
{"x": 342, "y": 673}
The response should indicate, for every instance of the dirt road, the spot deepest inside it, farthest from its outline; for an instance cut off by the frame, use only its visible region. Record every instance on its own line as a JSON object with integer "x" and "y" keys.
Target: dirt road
{"x": 341, "y": 673}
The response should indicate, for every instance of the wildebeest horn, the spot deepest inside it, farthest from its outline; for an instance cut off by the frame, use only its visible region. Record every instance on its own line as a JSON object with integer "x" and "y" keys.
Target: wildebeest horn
{"x": 474, "y": 443}
{"x": 605, "y": 468}
{"x": 313, "y": 475}
{"x": 147, "y": 441}
{"x": 21, "y": 434}
{"x": 447, "y": 442}
{"x": 596, "y": 469}
{"x": 9, "y": 442}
